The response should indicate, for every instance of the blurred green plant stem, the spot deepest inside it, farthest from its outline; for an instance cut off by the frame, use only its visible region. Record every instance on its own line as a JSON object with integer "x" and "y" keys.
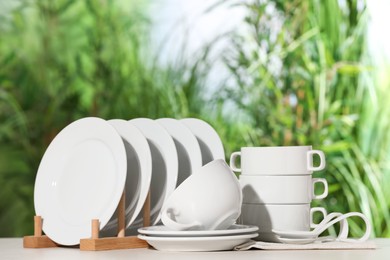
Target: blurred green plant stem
{"x": 304, "y": 76}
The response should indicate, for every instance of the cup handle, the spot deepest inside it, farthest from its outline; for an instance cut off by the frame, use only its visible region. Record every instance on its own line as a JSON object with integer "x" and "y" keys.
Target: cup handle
{"x": 310, "y": 166}
{"x": 316, "y": 209}
{"x": 232, "y": 163}
{"x": 325, "y": 183}
{"x": 167, "y": 221}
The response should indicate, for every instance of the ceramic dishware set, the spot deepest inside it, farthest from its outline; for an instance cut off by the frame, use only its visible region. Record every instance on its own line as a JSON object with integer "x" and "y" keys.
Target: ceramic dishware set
{"x": 200, "y": 214}
{"x": 108, "y": 171}
{"x": 92, "y": 162}
{"x": 278, "y": 188}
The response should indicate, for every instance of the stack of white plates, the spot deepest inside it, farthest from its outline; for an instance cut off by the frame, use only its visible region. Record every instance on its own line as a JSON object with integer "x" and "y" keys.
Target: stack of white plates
{"x": 161, "y": 238}
{"x": 87, "y": 166}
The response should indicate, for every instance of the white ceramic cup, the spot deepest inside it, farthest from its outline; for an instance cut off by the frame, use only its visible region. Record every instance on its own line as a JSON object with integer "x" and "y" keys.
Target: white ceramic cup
{"x": 278, "y": 160}
{"x": 297, "y": 217}
{"x": 209, "y": 199}
{"x": 296, "y": 189}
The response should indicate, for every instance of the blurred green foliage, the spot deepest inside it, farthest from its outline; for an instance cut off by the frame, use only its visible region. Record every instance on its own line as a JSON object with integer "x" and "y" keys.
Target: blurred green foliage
{"x": 300, "y": 75}
{"x": 303, "y": 75}
{"x": 63, "y": 60}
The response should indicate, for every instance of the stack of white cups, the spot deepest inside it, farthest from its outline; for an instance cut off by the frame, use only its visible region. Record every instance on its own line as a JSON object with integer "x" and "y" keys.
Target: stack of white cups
{"x": 278, "y": 188}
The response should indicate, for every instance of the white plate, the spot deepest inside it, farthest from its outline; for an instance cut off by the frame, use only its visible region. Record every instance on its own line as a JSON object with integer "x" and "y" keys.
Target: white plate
{"x": 163, "y": 231}
{"x": 139, "y": 173}
{"x": 215, "y": 243}
{"x": 164, "y": 164}
{"x": 188, "y": 150}
{"x": 81, "y": 177}
{"x": 209, "y": 141}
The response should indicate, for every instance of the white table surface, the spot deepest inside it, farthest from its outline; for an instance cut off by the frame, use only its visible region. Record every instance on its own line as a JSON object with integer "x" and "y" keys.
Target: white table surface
{"x": 12, "y": 248}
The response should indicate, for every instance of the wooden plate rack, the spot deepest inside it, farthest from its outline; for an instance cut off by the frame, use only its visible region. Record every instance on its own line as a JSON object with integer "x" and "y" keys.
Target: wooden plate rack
{"x": 95, "y": 243}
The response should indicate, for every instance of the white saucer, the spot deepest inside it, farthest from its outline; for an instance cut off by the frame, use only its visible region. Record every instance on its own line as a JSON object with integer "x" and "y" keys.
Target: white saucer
{"x": 209, "y": 141}
{"x": 187, "y": 146}
{"x": 81, "y": 177}
{"x": 204, "y": 244}
{"x": 163, "y": 231}
{"x": 139, "y": 173}
{"x": 164, "y": 165}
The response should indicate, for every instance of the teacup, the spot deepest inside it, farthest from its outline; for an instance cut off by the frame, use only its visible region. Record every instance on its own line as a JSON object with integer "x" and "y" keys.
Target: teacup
{"x": 209, "y": 199}
{"x": 297, "y": 217}
{"x": 297, "y": 189}
{"x": 278, "y": 160}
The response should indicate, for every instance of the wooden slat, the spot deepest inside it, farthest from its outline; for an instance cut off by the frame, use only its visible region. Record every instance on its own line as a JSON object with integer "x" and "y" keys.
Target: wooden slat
{"x": 95, "y": 227}
{"x": 37, "y": 226}
{"x": 38, "y": 242}
{"x": 121, "y": 216}
{"x": 146, "y": 211}
{"x": 112, "y": 243}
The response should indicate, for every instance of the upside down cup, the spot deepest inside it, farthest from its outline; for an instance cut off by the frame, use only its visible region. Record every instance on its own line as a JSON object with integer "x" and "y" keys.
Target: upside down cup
{"x": 210, "y": 199}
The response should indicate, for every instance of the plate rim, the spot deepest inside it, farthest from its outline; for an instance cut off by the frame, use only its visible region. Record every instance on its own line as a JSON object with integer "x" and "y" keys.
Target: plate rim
{"x": 184, "y": 136}
{"x": 134, "y": 137}
{"x": 198, "y": 233}
{"x": 195, "y": 239}
{"x": 207, "y": 134}
{"x": 171, "y": 164}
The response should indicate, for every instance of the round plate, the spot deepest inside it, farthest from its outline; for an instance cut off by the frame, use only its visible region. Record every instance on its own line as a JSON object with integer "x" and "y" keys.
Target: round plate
{"x": 216, "y": 243}
{"x": 164, "y": 164}
{"x": 188, "y": 150}
{"x": 163, "y": 231}
{"x": 209, "y": 141}
{"x": 81, "y": 177}
{"x": 139, "y": 172}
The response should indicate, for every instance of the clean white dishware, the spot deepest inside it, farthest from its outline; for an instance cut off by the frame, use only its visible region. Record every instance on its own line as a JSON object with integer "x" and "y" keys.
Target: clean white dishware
{"x": 81, "y": 177}
{"x": 317, "y": 230}
{"x": 268, "y": 217}
{"x": 296, "y": 189}
{"x": 163, "y": 231}
{"x": 188, "y": 150}
{"x": 328, "y": 222}
{"x": 139, "y": 173}
{"x": 209, "y": 141}
{"x": 209, "y": 199}
{"x": 277, "y": 160}
{"x": 164, "y": 165}
{"x": 197, "y": 244}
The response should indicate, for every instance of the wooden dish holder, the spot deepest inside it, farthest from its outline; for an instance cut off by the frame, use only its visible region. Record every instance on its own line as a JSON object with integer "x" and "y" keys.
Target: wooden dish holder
{"x": 121, "y": 241}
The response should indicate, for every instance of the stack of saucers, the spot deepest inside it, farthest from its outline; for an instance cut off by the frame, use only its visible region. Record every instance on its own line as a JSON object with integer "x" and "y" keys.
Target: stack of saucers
{"x": 89, "y": 164}
{"x": 165, "y": 239}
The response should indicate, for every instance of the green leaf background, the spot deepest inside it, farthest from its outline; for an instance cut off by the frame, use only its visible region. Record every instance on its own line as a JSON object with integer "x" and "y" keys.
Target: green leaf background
{"x": 309, "y": 81}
